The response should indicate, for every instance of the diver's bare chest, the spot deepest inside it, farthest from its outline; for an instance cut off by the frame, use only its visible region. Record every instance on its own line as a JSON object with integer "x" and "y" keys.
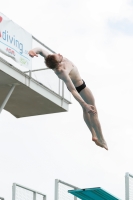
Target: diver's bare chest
{"x": 67, "y": 66}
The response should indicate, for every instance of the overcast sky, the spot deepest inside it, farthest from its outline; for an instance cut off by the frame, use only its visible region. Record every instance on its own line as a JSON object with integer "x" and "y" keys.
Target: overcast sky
{"x": 98, "y": 37}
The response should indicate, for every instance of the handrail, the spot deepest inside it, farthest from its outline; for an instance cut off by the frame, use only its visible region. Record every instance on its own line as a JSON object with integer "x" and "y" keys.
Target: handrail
{"x": 43, "y": 44}
{"x": 21, "y": 186}
{"x": 35, "y": 70}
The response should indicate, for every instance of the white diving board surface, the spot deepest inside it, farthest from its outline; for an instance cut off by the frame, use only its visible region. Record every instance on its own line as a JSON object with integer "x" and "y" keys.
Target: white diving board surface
{"x": 27, "y": 96}
{"x": 92, "y": 194}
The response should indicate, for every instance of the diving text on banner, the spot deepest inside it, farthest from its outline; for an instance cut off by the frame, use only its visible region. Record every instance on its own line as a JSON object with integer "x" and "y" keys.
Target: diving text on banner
{"x": 15, "y": 42}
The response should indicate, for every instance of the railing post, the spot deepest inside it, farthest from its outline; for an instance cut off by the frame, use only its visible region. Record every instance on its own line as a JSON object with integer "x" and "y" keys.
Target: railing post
{"x": 62, "y": 94}
{"x": 34, "y": 195}
{"x": 56, "y": 189}
{"x": 127, "y": 186}
{"x": 44, "y": 197}
{"x": 59, "y": 85}
{"x": 75, "y": 198}
{"x": 14, "y": 191}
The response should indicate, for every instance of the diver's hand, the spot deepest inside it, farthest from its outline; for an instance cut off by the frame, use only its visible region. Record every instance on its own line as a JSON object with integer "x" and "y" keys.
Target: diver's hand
{"x": 32, "y": 53}
{"x": 89, "y": 109}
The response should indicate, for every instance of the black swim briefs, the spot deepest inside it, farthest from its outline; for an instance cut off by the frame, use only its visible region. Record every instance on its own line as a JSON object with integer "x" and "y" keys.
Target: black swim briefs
{"x": 81, "y": 87}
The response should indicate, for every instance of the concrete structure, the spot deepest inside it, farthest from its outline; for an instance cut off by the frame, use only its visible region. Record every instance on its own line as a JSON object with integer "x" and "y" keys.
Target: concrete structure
{"x": 23, "y": 96}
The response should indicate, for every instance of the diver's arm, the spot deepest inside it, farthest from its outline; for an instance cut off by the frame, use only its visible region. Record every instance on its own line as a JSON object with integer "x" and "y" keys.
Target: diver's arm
{"x": 38, "y": 50}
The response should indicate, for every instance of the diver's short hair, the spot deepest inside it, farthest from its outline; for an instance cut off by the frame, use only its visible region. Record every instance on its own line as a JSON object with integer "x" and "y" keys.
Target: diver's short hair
{"x": 51, "y": 61}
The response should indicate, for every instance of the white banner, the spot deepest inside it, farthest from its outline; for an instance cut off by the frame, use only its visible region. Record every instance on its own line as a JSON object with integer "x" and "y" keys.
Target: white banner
{"x": 15, "y": 42}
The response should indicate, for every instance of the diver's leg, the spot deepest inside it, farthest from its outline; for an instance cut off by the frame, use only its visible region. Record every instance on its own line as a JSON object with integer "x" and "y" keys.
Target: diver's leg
{"x": 92, "y": 119}
{"x": 86, "y": 117}
{"x": 88, "y": 123}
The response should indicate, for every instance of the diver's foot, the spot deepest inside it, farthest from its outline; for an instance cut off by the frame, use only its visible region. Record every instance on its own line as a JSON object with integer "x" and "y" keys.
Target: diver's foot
{"x": 97, "y": 142}
{"x": 105, "y": 145}
{"x": 100, "y": 143}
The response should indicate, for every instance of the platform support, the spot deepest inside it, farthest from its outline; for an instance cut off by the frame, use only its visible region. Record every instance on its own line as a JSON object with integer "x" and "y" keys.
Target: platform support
{"x": 7, "y": 97}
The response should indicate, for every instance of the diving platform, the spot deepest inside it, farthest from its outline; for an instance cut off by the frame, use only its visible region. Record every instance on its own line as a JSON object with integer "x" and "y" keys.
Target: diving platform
{"x": 23, "y": 96}
{"x": 37, "y": 91}
{"x": 92, "y": 194}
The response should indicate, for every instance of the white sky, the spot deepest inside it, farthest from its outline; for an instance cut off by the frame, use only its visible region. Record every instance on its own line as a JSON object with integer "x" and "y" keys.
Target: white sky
{"x": 98, "y": 37}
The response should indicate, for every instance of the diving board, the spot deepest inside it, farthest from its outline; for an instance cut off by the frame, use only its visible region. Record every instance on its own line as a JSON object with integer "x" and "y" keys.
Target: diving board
{"x": 96, "y": 193}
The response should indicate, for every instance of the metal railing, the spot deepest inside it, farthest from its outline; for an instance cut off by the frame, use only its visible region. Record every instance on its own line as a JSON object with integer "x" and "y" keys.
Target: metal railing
{"x": 41, "y": 73}
{"x": 45, "y": 68}
{"x": 68, "y": 186}
{"x": 24, "y": 193}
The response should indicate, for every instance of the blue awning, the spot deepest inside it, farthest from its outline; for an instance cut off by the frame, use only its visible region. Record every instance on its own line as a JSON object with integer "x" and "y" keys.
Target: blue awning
{"x": 96, "y": 193}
